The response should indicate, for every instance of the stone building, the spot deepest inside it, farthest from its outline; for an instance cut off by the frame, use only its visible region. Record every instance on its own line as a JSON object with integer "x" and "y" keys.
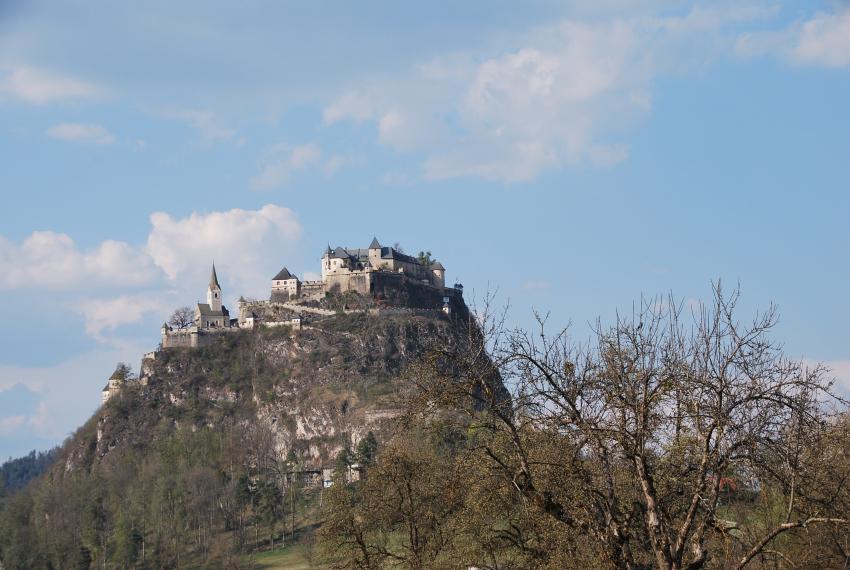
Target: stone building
{"x": 210, "y": 318}
{"x": 212, "y": 314}
{"x": 349, "y": 268}
{"x": 114, "y": 384}
{"x": 285, "y": 286}
{"x": 356, "y": 269}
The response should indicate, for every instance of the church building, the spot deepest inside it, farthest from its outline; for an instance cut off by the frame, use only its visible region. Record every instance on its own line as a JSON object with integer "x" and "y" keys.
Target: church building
{"x": 212, "y": 314}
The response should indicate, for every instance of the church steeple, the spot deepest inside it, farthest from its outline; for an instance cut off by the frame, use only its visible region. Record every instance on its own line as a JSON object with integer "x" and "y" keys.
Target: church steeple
{"x": 214, "y": 278}
{"x": 214, "y": 291}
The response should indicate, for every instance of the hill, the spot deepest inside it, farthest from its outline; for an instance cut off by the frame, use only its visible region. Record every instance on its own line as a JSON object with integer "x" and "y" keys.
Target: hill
{"x": 188, "y": 467}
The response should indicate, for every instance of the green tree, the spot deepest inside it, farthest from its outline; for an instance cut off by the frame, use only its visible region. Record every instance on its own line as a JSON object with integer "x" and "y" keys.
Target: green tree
{"x": 343, "y": 462}
{"x": 624, "y": 445}
{"x": 366, "y": 450}
{"x": 269, "y": 506}
{"x": 127, "y": 542}
{"x": 411, "y": 495}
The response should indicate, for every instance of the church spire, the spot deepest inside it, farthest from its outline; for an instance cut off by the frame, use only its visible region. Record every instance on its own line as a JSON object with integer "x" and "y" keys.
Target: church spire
{"x": 214, "y": 279}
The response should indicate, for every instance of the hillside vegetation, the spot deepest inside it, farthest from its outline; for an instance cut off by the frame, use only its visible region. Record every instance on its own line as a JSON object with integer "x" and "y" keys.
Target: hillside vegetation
{"x": 671, "y": 440}
{"x": 214, "y": 456}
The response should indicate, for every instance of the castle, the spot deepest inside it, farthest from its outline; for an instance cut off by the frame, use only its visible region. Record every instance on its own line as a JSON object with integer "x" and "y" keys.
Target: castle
{"x": 371, "y": 271}
{"x": 395, "y": 282}
{"x": 356, "y": 269}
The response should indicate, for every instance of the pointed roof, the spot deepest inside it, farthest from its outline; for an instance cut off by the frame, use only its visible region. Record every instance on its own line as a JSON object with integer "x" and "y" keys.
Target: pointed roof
{"x": 437, "y": 265}
{"x": 283, "y": 275}
{"x": 214, "y": 279}
{"x": 375, "y": 244}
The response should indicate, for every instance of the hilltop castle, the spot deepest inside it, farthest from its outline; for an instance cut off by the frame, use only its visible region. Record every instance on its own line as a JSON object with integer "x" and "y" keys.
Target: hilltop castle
{"x": 357, "y": 269}
{"x": 395, "y": 282}
{"x": 374, "y": 271}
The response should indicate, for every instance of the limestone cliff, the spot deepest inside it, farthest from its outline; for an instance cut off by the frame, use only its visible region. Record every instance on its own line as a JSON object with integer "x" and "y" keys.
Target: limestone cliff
{"x": 316, "y": 390}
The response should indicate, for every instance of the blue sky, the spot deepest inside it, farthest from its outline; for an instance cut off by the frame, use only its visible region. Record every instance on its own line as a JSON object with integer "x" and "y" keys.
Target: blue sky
{"x": 572, "y": 156}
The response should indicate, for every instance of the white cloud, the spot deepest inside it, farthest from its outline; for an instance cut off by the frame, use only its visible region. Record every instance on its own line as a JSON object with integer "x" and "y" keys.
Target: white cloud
{"x": 246, "y": 244}
{"x": 282, "y": 161}
{"x": 822, "y": 40}
{"x": 83, "y": 133}
{"x": 355, "y": 105}
{"x": 51, "y": 260}
{"x": 564, "y": 94}
{"x": 539, "y": 285}
{"x": 336, "y": 161}
{"x": 39, "y": 86}
{"x": 109, "y": 314}
{"x": 207, "y": 123}
{"x": 11, "y": 424}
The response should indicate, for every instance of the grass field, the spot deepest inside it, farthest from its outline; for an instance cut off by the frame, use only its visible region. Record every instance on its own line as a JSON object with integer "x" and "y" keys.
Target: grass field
{"x": 289, "y": 558}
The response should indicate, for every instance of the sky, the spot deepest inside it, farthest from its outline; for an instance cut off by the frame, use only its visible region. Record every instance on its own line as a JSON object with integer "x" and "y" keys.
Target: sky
{"x": 568, "y": 157}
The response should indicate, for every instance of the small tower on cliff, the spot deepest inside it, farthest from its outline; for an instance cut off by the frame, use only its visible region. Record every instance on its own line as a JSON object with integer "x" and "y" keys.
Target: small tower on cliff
{"x": 375, "y": 253}
{"x": 214, "y": 292}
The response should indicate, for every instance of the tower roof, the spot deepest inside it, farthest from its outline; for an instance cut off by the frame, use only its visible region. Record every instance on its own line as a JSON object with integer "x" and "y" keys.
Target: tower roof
{"x": 283, "y": 275}
{"x": 214, "y": 279}
{"x": 375, "y": 244}
{"x": 437, "y": 265}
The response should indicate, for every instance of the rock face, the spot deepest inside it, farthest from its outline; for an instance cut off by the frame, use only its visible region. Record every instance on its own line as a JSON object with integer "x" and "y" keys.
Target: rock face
{"x": 314, "y": 390}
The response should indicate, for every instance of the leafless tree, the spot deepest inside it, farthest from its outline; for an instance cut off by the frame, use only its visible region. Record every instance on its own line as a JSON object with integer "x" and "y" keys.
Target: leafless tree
{"x": 635, "y": 438}
{"x": 182, "y": 318}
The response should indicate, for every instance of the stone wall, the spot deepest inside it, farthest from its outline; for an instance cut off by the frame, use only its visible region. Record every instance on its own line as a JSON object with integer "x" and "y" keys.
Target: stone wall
{"x": 180, "y": 338}
{"x": 345, "y": 280}
{"x": 312, "y": 290}
{"x": 193, "y": 338}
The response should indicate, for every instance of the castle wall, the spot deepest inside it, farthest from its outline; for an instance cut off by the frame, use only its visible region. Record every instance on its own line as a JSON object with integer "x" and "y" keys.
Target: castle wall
{"x": 193, "y": 338}
{"x": 345, "y": 280}
{"x": 312, "y": 290}
{"x": 280, "y": 296}
{"x": 399, "y": 289}
{"x": 185, "y": 338}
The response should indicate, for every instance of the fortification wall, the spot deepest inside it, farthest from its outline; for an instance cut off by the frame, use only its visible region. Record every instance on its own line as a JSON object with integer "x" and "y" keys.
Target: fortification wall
{"x": 345, "y": 280}
{"x": 193, "y": 338}
{"x": 180, "y": 339}
{"x": 399, "y": 289}
{"x": 312, "y": 290}
{"x": 280, "y": 296}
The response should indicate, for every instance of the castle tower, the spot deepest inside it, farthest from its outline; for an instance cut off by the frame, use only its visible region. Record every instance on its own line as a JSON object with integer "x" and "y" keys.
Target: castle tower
{"x": 214, "y": 292}
{"x": 439, "y": 274}
{"x": 375, "y": 253}
{"x": 285, "y": 286}
{"x": 326, "y": 262}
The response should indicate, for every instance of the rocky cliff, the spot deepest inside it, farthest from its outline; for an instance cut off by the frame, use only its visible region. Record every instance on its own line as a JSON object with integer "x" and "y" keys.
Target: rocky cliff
{"x": 316, "y": 390}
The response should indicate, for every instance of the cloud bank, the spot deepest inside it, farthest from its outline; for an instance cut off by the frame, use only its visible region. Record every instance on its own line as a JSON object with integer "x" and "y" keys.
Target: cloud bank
{"x": 115, "y": 283}
{"x": 564, "y": 95}
{"x": 82, "y": 133}
{"x": 39, "y": 86}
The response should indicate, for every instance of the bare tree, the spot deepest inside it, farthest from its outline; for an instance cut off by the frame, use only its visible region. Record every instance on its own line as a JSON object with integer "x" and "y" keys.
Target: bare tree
{"x": 182, "y": 318}
{"x": 635, "y": 439}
